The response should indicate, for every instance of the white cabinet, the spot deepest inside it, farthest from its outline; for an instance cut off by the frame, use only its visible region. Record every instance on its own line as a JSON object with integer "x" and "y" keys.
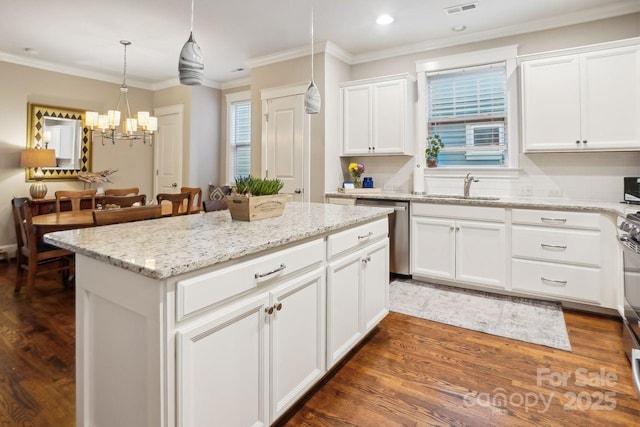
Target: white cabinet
{"x": 376, "y": 116}
{"x": 357, "y": 289}
{"x": 462, "y": 250}
{"x": 558, "y": 254}
{"x": 582, "y": 101}
{"x": 267, "y": 351}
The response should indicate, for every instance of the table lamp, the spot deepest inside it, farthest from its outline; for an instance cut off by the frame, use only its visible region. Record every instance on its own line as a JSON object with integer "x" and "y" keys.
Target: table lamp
{"x": 38, "y": 158}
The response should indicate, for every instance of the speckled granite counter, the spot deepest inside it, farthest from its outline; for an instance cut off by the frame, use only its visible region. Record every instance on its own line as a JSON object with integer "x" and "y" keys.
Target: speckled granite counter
{"x": 170, "y": 246}
{"x": 506, "y": 202}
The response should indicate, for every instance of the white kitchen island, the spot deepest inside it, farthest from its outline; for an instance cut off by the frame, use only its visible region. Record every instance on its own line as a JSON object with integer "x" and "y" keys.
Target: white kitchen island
{"x": 203, "y": 321}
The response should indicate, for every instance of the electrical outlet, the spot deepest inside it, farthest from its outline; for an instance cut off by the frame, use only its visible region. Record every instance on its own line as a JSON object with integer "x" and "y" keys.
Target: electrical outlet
{"x": 526, "y": 190}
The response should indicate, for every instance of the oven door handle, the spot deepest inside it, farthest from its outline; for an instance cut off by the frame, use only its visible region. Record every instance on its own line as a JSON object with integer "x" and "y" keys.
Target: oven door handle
{"x": 635, "y": 368}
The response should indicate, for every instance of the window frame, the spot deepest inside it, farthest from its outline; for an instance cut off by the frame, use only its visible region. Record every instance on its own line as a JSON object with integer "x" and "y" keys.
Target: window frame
{"x": 508, "y": 55}
{"x": 232, "y": 98}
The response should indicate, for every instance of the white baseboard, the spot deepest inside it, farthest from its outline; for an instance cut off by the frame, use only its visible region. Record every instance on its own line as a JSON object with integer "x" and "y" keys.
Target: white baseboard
{"x": 10, "y": 249}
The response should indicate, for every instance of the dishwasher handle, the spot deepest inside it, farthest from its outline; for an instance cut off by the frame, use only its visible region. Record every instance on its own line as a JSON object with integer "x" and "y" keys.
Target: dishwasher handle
{"x": 395, "y": 208}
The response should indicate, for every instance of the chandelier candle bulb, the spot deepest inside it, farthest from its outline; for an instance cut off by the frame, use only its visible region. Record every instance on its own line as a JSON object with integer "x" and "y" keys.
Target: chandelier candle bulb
{"x": 131, "y": 126}
{"x": 91, "y": 119}
{"x": 152, "y": 124}
{"x": 103, "y": 122}
{"x": 143, "y": 119}
{"x": 114, "y": 118}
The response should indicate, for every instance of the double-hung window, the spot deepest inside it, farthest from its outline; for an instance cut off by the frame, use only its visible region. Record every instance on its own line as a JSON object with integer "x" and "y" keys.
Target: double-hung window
{"x": 469, "y": 108}
{"x": 238, "y": 135}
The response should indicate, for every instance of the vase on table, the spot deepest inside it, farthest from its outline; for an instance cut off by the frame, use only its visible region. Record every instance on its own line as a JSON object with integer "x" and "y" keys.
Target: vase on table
{"x": 357, "y": 182}
{"x": 432, "y": 162}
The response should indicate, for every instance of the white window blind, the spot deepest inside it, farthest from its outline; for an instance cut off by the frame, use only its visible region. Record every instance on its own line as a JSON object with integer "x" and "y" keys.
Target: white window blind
{"x": 239, "y": 139}
{"x": 467, "y": 108}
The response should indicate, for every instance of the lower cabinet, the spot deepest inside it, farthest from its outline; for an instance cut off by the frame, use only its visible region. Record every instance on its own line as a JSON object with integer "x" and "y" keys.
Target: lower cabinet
{"x": 248, "y": 363}
{"x": 357, "y": 297}
{"x": 463, "y": 250}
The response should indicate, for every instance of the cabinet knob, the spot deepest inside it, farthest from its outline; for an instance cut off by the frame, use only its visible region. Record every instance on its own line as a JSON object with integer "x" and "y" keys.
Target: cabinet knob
{"x": 451, "y": 227}
{"x": 577, "y": 141}
{"x": 457, "y": 228}
{"x": 279, "y": 306}
{"x": 268, "y": 310}
{"x": 584, "y": 141}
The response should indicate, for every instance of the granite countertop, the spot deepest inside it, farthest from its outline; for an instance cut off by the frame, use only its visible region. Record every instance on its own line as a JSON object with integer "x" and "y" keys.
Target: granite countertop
{"x": 506, "y": 202}
{"x": 166, "y": 247}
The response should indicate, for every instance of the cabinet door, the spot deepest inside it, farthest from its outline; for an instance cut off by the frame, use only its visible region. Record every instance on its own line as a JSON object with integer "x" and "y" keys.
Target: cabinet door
{"x": 611, "y": 99}
{"x": 389, "y": 116}
{"x": 480, "y": 253}
{"x": 343, "y": 306}
{"x": 297, "y": 339}
{"x": 433, "y": 247}
{"x": 551, "y": 104}
{"x": 356, "y": 120}
{"x": 375, "y": 284}
{"x": 223, "y": 370}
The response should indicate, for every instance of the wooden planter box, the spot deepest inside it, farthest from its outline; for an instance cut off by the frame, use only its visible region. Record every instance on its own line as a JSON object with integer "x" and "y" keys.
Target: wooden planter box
{"x": 257, "y": 207}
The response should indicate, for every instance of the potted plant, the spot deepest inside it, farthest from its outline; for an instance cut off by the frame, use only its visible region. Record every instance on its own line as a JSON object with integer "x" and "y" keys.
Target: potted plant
{"x": 256, "y": 198}
{"x": 433, "y": 150}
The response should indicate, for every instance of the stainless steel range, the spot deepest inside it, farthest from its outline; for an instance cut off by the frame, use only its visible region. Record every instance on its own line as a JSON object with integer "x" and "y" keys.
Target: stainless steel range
{"x": 629, "y": 238}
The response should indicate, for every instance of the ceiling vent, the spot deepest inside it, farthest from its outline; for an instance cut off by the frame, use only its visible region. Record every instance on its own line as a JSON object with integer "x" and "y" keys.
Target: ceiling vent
{"x": 460, "y": 8}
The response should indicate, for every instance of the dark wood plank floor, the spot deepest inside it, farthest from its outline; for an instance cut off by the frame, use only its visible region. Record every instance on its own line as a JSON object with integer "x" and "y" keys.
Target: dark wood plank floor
{"x": 411, "y": 372}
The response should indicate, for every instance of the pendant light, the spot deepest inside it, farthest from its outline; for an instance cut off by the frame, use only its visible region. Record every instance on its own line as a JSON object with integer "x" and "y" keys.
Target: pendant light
{"x": 191, "y": 63}
{"x": 312, "y": 101}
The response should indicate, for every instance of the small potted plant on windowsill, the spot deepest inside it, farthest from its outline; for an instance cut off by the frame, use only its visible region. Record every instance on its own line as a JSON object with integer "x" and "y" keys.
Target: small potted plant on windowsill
{"x": 256, "y": 198}
{"x": 433, "y": 150}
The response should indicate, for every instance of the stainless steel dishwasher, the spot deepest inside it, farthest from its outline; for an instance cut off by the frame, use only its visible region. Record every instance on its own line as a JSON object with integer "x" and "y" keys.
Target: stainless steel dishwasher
{"x": 398, "y": 233}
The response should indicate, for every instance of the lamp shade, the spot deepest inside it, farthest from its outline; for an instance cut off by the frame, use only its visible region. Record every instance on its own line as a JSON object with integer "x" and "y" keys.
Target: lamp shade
{"x": 191, "y": 63}
{"x": 38, "y": 158}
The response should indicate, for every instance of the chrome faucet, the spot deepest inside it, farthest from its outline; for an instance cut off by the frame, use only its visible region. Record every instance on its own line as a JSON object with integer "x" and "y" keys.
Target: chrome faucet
{"x": 467, "y": 183}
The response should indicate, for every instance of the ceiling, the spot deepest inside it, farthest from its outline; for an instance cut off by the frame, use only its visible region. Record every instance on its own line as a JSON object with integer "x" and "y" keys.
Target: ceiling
{"x": 82, "y": 37}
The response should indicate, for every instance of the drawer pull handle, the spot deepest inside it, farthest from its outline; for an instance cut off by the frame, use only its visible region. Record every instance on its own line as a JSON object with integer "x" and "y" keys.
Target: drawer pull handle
{"x": 555, "y": 282}
{"x": 544, "y": 219}
{"x": 261, "y": 275}
{"x": 366, "y": 236}
{"x": 544, "y": 245}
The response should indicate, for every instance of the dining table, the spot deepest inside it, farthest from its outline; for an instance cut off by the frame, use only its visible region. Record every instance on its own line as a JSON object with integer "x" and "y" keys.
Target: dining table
{"x": 66, "y": 220}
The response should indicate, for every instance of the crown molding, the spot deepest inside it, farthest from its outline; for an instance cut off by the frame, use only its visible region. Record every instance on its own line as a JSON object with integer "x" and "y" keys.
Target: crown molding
{"x": 338, "y": 52}
{"x": 604, "y": 12}
{"x": 214, "y": 84}
{"x": 299, "y": 52}
{"x": 232, "y": 84}
{"x": 73, "y": 71}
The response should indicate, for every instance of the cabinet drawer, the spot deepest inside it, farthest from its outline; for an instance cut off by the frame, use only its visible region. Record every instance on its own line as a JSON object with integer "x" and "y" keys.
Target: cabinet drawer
{"x": 562, "y": 281}
{"x": 198, "y": 292}
{"x": 355, "y": 237}
{"x": 563, "y": 245}
{"x": 455, "y": 211}
{"x": 556, "y": 218}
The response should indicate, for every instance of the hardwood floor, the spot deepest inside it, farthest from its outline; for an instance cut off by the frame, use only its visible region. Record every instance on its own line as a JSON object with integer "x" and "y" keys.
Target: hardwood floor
{"x": 411, "y": 372}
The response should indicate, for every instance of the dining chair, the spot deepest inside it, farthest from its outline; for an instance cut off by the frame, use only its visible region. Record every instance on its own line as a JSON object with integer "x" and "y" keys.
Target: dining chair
{"x": 130, "y": 214}
{"x": 214, "y": 205}
{"x": 124, "y": 201}
{"x": 196, "y": 198}
{"x": 33, "y": 256}
{"x": 121, "y": 191}
{"x": 75, "y": 197}
{"x": 177, "y": 201}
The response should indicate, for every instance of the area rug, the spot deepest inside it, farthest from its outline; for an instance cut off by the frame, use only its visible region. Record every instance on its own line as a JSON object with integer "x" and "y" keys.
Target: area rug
{"x": 524, "y": 319}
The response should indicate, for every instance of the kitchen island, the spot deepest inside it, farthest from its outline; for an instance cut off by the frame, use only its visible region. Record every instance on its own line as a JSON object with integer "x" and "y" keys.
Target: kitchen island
{"x": 201, "y": 320}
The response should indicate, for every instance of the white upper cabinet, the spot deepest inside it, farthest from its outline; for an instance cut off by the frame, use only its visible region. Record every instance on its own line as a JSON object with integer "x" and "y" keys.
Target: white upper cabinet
{"x": 376, "y": 116}
{"x": 586, "y": 101}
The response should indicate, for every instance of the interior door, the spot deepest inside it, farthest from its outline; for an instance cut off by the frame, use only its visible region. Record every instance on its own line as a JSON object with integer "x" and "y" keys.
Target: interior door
{"x": 168, "y": 150}
{"x": 285, "y": 143}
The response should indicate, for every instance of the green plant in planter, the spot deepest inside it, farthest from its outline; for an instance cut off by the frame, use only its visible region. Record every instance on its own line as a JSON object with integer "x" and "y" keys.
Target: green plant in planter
{"x": 433, "y": 150}
{"x": 250, "y": 186}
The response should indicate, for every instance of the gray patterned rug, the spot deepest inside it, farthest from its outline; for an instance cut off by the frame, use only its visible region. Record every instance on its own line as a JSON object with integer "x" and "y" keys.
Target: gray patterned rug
{"x": 538, "y": 322}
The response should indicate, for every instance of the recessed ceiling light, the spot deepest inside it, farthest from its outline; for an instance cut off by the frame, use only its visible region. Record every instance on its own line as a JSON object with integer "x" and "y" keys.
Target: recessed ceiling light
{"x": 459, "y": 28}
{"x": 384, "y": 20}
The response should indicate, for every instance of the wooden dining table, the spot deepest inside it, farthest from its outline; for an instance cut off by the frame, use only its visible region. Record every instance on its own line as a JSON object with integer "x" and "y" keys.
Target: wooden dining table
{"x": 67, "y": 220}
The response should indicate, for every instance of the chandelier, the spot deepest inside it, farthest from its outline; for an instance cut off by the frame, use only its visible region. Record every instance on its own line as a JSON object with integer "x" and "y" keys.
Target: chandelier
{"x": 106, "y": 125}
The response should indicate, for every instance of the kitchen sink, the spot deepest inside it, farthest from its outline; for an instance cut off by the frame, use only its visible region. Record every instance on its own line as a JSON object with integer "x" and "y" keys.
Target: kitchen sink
{"x": 452, "y": 196}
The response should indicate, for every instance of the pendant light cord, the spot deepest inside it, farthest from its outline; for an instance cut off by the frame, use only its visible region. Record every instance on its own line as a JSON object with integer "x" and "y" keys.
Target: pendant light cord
{"x": 312, "y": 40}
{"x": 124, "y": 71}
{"x": 192, "y": 13}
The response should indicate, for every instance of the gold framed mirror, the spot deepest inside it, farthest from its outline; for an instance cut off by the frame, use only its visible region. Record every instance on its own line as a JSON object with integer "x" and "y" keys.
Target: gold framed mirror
{"x": 62, "y": 129}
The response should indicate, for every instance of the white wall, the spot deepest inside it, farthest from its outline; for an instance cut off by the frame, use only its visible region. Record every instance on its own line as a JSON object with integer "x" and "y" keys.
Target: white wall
{"x": 336, "y": 71}
{"x": 204, "y": 147}
{"x": 588, "y": 176}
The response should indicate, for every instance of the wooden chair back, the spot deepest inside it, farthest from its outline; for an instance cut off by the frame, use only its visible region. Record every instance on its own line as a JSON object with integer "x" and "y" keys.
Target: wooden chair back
{"x": 75, "y": 197}
{"x": 196, "y": 198}
{"x": 32, "y": 255}
{"x": 214, "y": 205}
{"x": 177, "y": 201}
{"x": 121, "y": 191}
{"x": 124, "y": 201}
{"x": 116, "y": 216}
